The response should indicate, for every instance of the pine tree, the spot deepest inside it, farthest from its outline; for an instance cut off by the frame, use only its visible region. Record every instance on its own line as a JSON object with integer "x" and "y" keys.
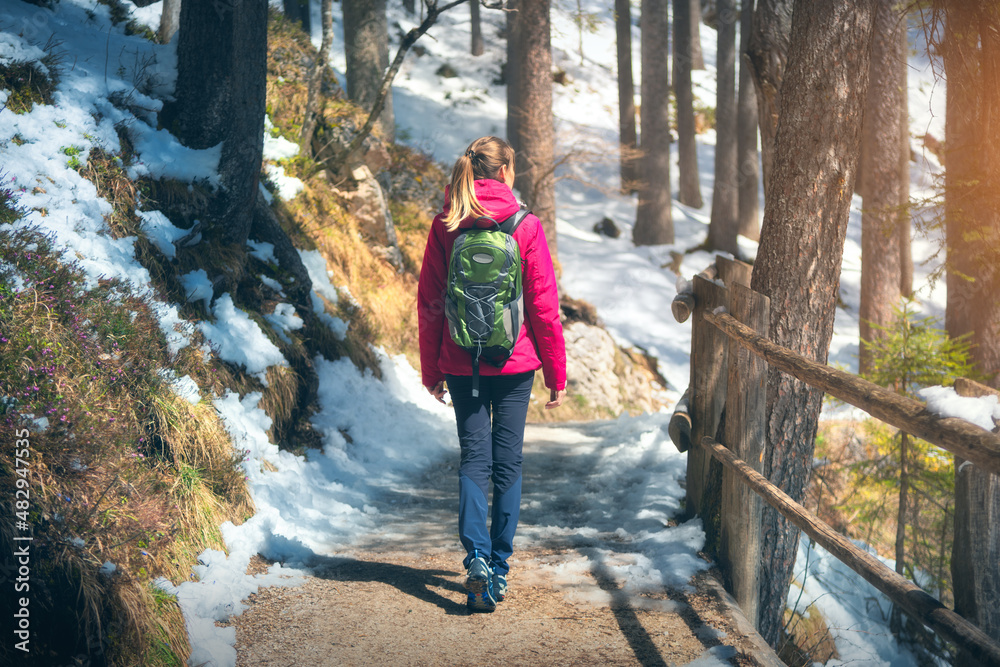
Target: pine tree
{"x": 912, "y": 354}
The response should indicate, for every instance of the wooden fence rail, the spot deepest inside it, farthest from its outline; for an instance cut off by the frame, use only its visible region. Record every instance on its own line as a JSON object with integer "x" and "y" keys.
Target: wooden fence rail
{"x": 956, "y": 435}
{"x": 903, "y": 592}
{"x": 729, "y": 348}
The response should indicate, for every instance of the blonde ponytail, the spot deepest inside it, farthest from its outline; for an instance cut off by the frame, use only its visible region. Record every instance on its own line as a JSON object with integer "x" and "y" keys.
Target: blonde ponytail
{"x": 482, "y": 159}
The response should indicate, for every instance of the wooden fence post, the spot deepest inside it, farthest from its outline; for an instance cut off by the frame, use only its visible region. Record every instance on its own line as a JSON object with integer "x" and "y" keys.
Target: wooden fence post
{"x": 708, "y": 385}
{"x": 744, "y": 435}
{"x": 733, "y": 272}
{"x": 975, "y": 556}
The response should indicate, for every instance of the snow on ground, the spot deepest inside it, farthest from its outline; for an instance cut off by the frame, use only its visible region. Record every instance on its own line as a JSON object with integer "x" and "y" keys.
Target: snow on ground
{"x": 319, "y": 503}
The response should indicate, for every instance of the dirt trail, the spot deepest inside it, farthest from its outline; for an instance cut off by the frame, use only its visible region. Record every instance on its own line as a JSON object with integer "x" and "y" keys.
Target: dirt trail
{"x": 397, "y": 599}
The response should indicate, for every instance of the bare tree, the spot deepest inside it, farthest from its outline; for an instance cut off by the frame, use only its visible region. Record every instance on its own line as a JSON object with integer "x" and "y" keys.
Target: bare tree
{"x": 627, "y": 144}
{"x": 747, "y": 159}
{"x": 694, "y": 11}
{"x": 968, "y": 36}
{"x": 535, "y": 142}
{"x": 880, "y": 253}
{"x": 366, "y": 45}
{"x": 801, "y": 248}
{"x": 767, "y": 50}
{"x": 905, "y": 217}
{"x": 688, "y": 177}
{"x": 653, "y": 219}
{"x": 409, "y": 39}
{"x": 316, "y": 76}
{"x": 170, "y": 20}
{"x": 724, "y": 226}
{"x": 511, "y": 76}
{"x": 881, "y": 195}
{"x": 477, "y": 45}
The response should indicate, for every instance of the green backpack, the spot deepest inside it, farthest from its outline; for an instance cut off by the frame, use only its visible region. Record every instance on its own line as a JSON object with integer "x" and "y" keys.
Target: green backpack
{"x": 484, "y": 302}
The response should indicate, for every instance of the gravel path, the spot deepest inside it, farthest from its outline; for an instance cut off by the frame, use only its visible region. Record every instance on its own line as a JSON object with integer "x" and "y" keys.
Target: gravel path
{"x": 396, "y": 598}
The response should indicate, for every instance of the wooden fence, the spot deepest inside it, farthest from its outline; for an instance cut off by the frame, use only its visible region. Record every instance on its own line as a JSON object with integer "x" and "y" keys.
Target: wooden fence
{"x": 730, "y": 349}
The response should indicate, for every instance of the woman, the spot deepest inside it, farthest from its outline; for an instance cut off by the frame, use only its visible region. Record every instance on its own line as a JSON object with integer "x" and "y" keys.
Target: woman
{"x": 490, "y": 420}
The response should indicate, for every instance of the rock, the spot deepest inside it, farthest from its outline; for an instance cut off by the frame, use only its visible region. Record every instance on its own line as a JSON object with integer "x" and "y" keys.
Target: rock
{"x": 590, "y": 366}
{"x": 446, "y": 71}
{"x": 329, "y": 141}
{"x": 577, "y": 310}
{"x": 607, "y": 227}
{"x": 604, "y": 375}
{"x": 406, "y": 186}
{"x": 368, "y": 205}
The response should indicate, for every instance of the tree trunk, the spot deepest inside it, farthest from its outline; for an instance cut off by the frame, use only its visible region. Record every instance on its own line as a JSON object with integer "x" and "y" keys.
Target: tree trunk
{"x": 905, "y": 217}
{"x": 694, "y": 11}
{"x": 316, "y": 77}
{"x": 627, "y": 145}
{"x": 477, "y": 46}
{"x": 220, "y": 97}
{"x": 297, "y": 11}
{"x": 746, "y": 130}
{"x": 170, "y": 20}
{"x": 880, "y": 252}
{"x": 511, "y": 76}
{"x": 242, "y": 150}
{"x": 688, "y": 177}
{"x": 366, "y": 45}
{"x": 200, "y": 109}
{"x": 971, "y": 50}
{"x": 536, "y": 134}
{"x": 653, "y": 222}
{"x": 723, "y": 226}
{"x": 768, "y": 51}
{"x": 972, "y": 185}
{"x": 802, "y": 244}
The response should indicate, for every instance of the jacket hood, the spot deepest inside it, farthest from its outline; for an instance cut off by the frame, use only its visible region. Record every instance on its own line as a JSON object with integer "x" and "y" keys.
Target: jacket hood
{"x": 494, "y": 196}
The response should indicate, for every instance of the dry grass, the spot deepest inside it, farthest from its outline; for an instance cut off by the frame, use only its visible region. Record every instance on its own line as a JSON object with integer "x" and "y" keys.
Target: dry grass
{"x": 385, "y": 310}
{"x": 27, "y": 85}
{"x": 106, "y": 171}
{"x": 124, "y": 472}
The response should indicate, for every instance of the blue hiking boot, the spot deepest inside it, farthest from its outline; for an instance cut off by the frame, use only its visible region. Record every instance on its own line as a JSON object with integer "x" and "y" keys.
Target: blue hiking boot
{"x": 499, "y": 587}
{"x": 479, "y": 583}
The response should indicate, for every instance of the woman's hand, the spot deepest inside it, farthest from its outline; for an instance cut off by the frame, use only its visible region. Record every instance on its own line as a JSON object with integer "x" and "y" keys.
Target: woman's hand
{"x": 437, "y": 391}
{"x": 556, "y": 397}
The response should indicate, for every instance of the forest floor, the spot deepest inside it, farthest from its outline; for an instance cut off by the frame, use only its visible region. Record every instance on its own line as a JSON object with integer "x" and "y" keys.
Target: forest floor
{"x": 396, "y": 598}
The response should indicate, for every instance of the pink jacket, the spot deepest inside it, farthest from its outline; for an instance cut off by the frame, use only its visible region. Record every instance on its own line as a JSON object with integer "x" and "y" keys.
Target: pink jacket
{"x": 540, "y": 344}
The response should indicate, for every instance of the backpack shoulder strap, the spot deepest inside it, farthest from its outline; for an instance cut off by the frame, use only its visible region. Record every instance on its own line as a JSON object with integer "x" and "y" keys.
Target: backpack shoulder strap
{"x": 511, "y": 224}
